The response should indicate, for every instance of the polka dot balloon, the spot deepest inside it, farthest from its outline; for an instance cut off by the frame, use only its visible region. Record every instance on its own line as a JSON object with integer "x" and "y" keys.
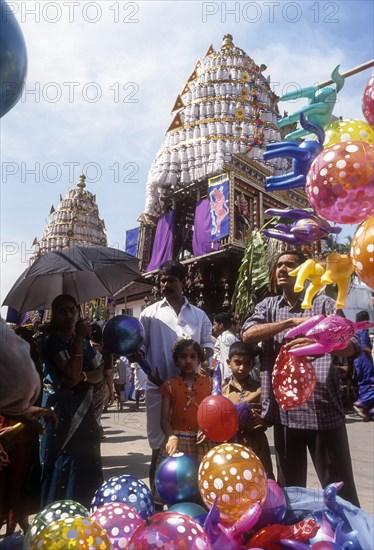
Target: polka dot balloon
{"x": 76, "y": 532}
{"x": 340, "y": 182}
{"x": 119, "y": 521}
{"x": 362, "y": 252}
{"x": 168, "y": 530}
{"x": 127, "y": 489}
{"x": 368, "y": 101}
{"x": 60, "y": 509}
{"x": 348, "y": 130}
{"x": 235, "y": 476}
{"x": 293, "y": 379}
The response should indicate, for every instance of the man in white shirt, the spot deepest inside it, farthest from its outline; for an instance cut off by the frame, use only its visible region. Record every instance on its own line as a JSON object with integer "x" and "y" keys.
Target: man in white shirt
{"x": 164, "y": 322}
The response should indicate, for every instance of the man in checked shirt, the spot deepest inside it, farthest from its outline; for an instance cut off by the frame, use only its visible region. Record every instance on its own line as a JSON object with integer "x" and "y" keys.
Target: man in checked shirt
{"x": 319, "y": 424}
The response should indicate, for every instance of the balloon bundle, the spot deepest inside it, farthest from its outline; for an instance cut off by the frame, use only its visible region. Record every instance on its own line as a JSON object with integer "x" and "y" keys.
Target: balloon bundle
{"x": 258, "y": 514}
{"x": 337, "y": 173}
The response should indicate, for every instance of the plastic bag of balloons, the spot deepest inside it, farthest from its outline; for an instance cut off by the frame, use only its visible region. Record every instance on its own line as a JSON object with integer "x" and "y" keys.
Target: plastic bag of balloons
{"x": 301, "y": 502}
{"x": 293, "y": 380}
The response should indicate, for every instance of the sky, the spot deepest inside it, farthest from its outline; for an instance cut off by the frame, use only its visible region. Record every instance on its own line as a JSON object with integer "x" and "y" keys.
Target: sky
{"x": 103, "y": 77}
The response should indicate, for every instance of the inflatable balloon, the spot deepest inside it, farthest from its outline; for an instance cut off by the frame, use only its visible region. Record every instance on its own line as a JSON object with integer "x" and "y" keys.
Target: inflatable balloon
{"x": 302, "y": 154}
{"x": 368, "y": 101}
{"x": 15, "y": 541}
{"x": 312, "y": 271}
{"x": 340, "y": 182}
{"x": 348, "y": 130}
{"x": 320, "y": 107}
{"x": 127, "y": 489}
{"x": 330, "y": 333}
{"x": 231, "y": 538}
{"x": 274, "y": 507}
{"x": 190, "y": 509}
{"x": 60, "y": 509}
{"x": 217, "y": 378}
{"x": 73, "y": 532}
{"x": 119, "y": 521}
{"x": 293, "y": 380}
{"x": 307, "y": 227}
{"x": 301, "y": 531}
{"x": 123, "y": 335}
{"x": 362, "y": 252}
{"x": 167, "y": 530}
{"x": 235, "y": 476}
{"x": 13, "y": 59}
{"x": 176, "y": 478}
{"x": 217, "y": 418}
{"x": 339, "y": 268}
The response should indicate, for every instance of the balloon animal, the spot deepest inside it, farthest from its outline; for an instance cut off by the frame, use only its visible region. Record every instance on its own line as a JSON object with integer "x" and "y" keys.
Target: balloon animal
{"x": 302, "y": 153}
{"x": 301, "y": 531}
{"x": 320, "y": 107}
{"x": 335, "y": 268}
{"x": 330, "y": 333}
{"x": 312, "y": 271}
{"x": 339, "y": 268}
{"x": 307, "y": 227}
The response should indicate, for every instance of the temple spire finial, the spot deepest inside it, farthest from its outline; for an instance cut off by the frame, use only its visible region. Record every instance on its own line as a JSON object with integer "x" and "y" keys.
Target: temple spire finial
{"x": 227, "y": 42}
{"x": 81, "y": 183}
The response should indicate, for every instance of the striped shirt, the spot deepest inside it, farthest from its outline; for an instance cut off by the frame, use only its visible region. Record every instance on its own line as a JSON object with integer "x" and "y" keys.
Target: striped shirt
{"x": 324, "y": 410}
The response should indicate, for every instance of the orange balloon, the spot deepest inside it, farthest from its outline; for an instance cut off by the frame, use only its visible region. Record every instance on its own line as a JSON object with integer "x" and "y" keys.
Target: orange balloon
{"x": 235, "y": 476}
{"x": 294, "y": 380}
{"x": 362, "y": 252}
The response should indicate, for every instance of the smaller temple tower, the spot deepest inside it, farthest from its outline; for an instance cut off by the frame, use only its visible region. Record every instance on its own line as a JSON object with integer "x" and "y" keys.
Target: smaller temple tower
{"x": 75, "y": 222}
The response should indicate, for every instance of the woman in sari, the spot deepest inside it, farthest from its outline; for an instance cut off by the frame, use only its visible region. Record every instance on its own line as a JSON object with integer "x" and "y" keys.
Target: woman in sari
{"x": 71, "y": 462}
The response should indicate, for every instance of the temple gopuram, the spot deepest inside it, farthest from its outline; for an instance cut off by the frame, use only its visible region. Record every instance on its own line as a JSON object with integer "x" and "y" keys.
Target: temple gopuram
{"x": 205, "y": 191}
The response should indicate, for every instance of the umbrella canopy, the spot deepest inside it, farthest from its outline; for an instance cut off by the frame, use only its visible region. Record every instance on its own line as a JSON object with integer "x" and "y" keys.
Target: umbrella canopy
{"x": 84, "y": 272}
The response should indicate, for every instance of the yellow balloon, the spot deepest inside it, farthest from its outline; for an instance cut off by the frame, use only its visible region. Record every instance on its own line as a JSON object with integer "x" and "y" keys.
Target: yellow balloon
{"x": 73, "y": 533}
{"x": 234, "y": 475}
{"x": 348, "y": 130}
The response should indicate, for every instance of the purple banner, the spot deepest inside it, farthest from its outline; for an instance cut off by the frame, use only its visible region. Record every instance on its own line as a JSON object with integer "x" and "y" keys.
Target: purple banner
{"x": 202, "y": 236}
{"x": 163, "y": 243}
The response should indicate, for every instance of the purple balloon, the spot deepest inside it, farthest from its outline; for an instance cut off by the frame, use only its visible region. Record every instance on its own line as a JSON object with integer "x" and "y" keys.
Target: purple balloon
{"x": 123, "y": 335}
{"x": 274, "y": 507}
{"x": 176, "y": 479}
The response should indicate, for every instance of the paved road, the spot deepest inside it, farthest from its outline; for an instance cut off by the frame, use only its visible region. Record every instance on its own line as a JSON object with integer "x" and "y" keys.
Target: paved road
{"x": 125, "y": 450}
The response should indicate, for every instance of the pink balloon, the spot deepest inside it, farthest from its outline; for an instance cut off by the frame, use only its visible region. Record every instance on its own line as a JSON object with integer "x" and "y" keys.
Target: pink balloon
{"x": 167, "y": 530}
{"x": 330, "y": 333}
{"x": 339, "y": 184}
{"x": 119, "y": 521}
{"x": 368, "y": 101}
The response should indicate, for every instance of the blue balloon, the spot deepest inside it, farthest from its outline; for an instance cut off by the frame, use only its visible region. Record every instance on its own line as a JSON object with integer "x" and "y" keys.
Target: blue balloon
{"x": 127, "y": 489}
{"x": 123, "y": 335}
{"x": 12, "y": 542}
{"x": 176, "y": 478}
{"x": 191, "y": 509}
{"x": 13, "y": 59}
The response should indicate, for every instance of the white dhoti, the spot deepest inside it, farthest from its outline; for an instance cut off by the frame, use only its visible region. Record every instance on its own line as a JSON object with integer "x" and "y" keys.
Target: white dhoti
{"x": 153, "y": 404}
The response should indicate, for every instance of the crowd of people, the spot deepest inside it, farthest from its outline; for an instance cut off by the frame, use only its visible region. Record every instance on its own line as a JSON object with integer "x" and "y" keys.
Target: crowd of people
{"x": 62, "y": 424}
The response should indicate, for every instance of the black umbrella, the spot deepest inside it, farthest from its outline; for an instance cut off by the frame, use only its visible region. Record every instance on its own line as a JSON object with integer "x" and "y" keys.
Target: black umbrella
{"x": 86, "y": 273}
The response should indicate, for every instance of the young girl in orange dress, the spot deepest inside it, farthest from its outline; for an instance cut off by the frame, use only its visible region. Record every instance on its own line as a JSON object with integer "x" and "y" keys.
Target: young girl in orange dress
{"x": 181, "y": 397}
